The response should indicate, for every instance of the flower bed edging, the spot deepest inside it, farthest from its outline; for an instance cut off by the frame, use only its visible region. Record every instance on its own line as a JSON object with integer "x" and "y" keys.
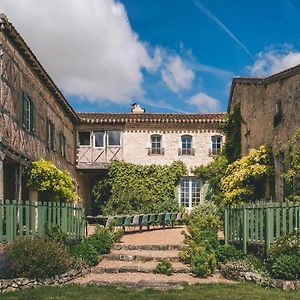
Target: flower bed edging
{"x": 16, "y": 284}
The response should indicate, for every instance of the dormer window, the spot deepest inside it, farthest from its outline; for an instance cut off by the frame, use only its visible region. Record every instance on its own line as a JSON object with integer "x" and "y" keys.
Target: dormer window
{"x": 186, "y": 146}
{"x": 156, "y": 148}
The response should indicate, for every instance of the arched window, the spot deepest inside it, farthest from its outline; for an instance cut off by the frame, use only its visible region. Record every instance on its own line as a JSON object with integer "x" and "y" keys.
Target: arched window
{"x": 186, "y": 145}
{"x": 216, "y": 144}
{"x": 156, "y": 144}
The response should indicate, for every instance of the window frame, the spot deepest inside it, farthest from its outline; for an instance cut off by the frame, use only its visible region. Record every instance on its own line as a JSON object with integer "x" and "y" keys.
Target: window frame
{"x": 78, "y": 138}
{"x": 103, "y": 139}
{"x": 51, "y": 140}
{"x": 216, "y": 151}
{"x": 189, "y": 189}
{"x": 184, "y": 150}
{"x": 28, "y": 114}
{"x": 156, "y": 150}
{"x": 107, "y": 139}
{"x": 62, "y": 145}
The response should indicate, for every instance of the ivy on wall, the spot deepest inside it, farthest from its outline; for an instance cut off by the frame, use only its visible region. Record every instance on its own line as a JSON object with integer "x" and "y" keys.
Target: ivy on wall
{"x": 138, "y": 189}
{"x": 245, "y": 179}
{"x": 52, "y": 183}
{"x": 232, "y": 130}
{"x": 291, "y": 176}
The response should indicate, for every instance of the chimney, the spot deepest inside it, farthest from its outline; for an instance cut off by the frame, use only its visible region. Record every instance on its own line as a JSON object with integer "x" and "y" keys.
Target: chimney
{"x": 137, "y": 109}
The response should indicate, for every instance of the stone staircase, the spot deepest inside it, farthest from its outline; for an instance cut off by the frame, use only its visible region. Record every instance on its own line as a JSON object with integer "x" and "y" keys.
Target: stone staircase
{"x": 132, "y": 263}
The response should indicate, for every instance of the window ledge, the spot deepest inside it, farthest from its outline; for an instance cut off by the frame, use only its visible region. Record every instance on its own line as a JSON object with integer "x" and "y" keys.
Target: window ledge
{"x": 156, "y": 152}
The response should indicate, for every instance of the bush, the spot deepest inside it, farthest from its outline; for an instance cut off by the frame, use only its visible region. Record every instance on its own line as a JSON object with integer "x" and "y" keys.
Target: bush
{"x": 55, "y": 233}
{"x": 227, "y": 253}
{"x": 101, "y": 240}
{"x": 37, "y": 258}
{"x": 117, "y": 235}
{"x": 232, "y": 269}
{"x": 164, "y": 267}
{"x": 187, "y": 254}
{"x": 85, "y": 252}
{"x": 286, "y": 266}
{"x": 203, "y": 264}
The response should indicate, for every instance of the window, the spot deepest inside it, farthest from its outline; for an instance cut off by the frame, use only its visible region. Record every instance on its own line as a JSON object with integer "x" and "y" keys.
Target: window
{"x": 28, "y": 113}
{"x": 190, "y": 192}
{"x": 114, "y": 138}
{"x": 84, "y": 138}
{"x": 216, "y": 144}
{"x": 99, "y": 139}
{"x": 278, "y": 115}
{"x": 186, "y": 145}
{"x": 155, "y": 145}
{"x": 50, "y": 135}
{"x": 62, "y": 145}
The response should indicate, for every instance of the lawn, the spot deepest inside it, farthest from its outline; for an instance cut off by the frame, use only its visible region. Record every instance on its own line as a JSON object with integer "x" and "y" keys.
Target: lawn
{"x": 240, "y": 291}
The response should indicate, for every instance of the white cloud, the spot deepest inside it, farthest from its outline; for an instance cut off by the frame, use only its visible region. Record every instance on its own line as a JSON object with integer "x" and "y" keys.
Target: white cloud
{"x": 204, "y": 103}
{"x": 177, "y": 75}
{"x": 274, "y": 61}
{"x": 88, "y": 47}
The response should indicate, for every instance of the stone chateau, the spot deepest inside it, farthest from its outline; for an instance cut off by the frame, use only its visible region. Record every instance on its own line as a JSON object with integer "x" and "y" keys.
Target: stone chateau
{"x": 37, "y": 122}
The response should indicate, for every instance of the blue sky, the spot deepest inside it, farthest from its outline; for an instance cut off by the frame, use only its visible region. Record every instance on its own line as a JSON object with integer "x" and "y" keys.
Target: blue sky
{"x": 169, "y": 56}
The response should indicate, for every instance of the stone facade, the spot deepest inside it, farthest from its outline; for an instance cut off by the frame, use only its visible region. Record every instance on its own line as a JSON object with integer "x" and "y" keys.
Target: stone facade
{"x": 270, "y": 108}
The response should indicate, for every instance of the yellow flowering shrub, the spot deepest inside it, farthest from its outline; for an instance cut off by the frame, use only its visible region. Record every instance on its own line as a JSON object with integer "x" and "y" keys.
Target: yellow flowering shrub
{"x": 53, "y": 183}
{"x": 244, "y": 179}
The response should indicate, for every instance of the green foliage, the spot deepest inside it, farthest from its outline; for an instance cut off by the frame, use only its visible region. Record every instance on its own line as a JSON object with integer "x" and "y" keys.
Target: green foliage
{"x": 203, "y": 264}
{"x": 138, "y": 188}
{"x": 54, "y": 184}
{"x": 100, "y": 194}
{"x": 101, "y": 240}
{"x": 286, "y": 266}
{"x": 55, "y": 233}
{"x": 116, "y": 236}
{"x": 192, "y": 250}
{"x": 37, "y": 258}
{"x": 212, "y": 174}
{"x": 232, "y": 129}
{"x": 164, "y": 267}
{"x": 85, "y": 252}
{"x": 228, "y": 253}
{"x": 291, "y": 176}
{"x": 245, "y": 178}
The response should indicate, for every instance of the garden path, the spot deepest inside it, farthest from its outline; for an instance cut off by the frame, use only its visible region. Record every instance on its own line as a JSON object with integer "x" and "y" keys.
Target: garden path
{"x": 132, "y": 262}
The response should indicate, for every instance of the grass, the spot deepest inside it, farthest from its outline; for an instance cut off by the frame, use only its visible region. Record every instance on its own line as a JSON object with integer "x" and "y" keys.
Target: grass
{"x": 239, "y": 291}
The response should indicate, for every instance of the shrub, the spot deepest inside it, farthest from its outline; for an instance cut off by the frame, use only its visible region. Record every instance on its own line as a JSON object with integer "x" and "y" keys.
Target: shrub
{"x": 85, "y": 252}
{"x": 286, "y": 266}
{"x": 164, "y": 267}
{"x": 203, "y": 264}
{"x": 55, "y": 233}
{"x": 37, "y": 258}
{"x": 232, "y": 269}
{"x": 227, "y": 253}
{"x": 117, "y": 235}
{"x": 187, "y": 254}
{"x": 101, "y": 240}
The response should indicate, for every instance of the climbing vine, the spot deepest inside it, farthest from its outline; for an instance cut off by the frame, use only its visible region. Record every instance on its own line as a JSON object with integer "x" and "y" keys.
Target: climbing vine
{"x": 52, "y": 183}
{"x": 232, "y": 130}
{"x": 245, "y": 179}
{"x": 137, "y": 188}
{"x": 291, "y": 176}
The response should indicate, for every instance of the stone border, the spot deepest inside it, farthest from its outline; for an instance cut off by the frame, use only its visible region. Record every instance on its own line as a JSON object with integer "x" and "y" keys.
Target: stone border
{"x": 269, "y": 282}
{"x": 16, "y": 284}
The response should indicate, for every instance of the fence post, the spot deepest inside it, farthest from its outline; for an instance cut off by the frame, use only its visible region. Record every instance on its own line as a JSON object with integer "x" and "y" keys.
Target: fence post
{"x": 226, "y": 225}
{"x": 268, "y": 227}
{"x": 245, "y": 229}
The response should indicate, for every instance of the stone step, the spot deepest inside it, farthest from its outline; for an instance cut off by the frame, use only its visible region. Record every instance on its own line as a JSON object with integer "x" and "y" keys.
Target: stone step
{"x": 121, "y": 246}
{"x": 141, "y": 255}
{"x": 143, "y": 280}
{"x": 135, "y": 267}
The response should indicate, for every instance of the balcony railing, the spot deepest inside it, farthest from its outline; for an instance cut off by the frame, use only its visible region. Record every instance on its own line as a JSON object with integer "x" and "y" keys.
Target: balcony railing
{"x": 156, "y": 151}
{"x": 186, "y": 151}
{"x": 214, "y": 152}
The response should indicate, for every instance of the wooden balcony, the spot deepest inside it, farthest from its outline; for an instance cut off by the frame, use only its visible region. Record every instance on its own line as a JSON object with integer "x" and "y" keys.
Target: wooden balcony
{"x": 97, "y": 158}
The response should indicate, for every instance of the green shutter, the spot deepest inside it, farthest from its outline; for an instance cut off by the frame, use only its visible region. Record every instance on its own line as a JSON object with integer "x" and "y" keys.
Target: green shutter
{"x": 32, "y": 118}
{"x": 24, "y": 110}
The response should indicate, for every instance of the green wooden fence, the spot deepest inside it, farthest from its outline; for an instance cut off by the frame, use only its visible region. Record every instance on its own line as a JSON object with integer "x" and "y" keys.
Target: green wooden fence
{"x": 260, "y": 223}
{"x": 28, "y": 218}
